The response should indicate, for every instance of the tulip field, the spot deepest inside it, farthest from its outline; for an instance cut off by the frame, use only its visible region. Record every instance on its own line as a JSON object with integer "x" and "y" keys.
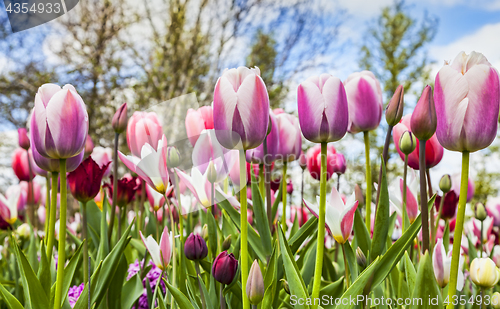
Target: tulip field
{"x": 156, "y": 226}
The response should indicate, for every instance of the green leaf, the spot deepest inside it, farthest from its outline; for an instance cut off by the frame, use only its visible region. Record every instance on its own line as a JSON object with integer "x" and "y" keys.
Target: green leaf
{"x": 69, "y": 272}
{"x": 9, "y": 299}
{"x": 472, "y": 250}
{"x": 208, "y": 300}
{"x": 351, "y": 261}
{"x": 334, "y": 290}
{"x": 103, "y": 250}
{"x": 34, "y": 293}
{"x": 270, "y": 280}
{"x": 426, "y": 288}
{"x": 261, "y": 221}
{"x": 381, "y": 227}
{"x": 410, "y": 273}
{"x": 212, "y": 233}
{"x": 115, "y": 288}
{"x": 277, "y": 201}
{"x": 32, "y": 252}
{"x": 304, "y": 232}
{"x": 295, "y": 282}
{"x": 180, "y": 298}
{"x": 44, "y": 270}
{"x": 132, "y": 290}
{"x": 357, "y": 286}
{"x": 361, "y": 233}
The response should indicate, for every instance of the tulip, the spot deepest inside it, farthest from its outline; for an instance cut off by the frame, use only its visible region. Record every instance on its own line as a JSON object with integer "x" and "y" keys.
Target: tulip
{"x": 441, "y": 263}
{"x": 364, "y": 96}
{"x": 127, "y": 186}
{"x": 197, "y": 121}
{"x": 314, "y": 161}
{"x": 339, "y": 163}
{"x": 493, "y": 209}
{"x": 290, "y": 138}
{"x": 395, "y": 108}
{"x": 339, "y": 215}
{"x": 480, "y": 212}
{"x": 257, "y": 155}
{"x": 198, "y": 184}
{"x": 450, "y": 204}
{"x": 41, "y": 214}
{"x": 23, "y": 198}
{"x": 445, "y": 183}
{"x": 241, "y": 108}
{"x": 8, "y": 206}
{"x": 103, "y": 156}
{"x": 89, "y": 146}
{"x": 433, "y": 150}
{"x": 303, "y": 160}
{"x": 20, "y": 165}
{"x": 23, "y": 230}
{"x": 469, "y": 80}
{"x": 119, "y": 121}
{"x": 59, "y": 123}
{"x": 482, "y": 234}
{"x": 396, "y": 197}
{"x": 156, "y": 200}
{"x": 495, "y": 300}
{"x": 224, "y": 267}
{"x": 255, "y": 286}
{"x": 173, "y": 157}
{"x": 151, "y": 166}
{"x": 143, "y": 128}
{"x": 85, "y": 181}
{"x": 424, "y": 120}
{"x": 322, "y": 109}
{"x": 24, "y": 141}
{"x": 52, "y": 165}
{"x": 160, "y": 253}
{"x": 407, "y": 143}
{"x": 484, "y": 273}
{"x": 455, "y": 186}
{"x": 195, "y": 247}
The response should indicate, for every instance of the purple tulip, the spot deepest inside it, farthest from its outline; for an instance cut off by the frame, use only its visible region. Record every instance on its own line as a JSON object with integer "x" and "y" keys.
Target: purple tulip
{"x": 59, "y": 123}
{"x": 52, "y": 165}
{"x": 290, "y": 138}
{"x": 467, "y": 98}
{"x": 225, "y": 267}
{"x": 339, "y": 163}
{"x": 241, "y": 108}
{"x": 365, "y": 101}
{"x": 195, "y": 247}
{"x": 120, "y": 119}
{"x": 322, "y": 108}
{"x": 256, "y": 155}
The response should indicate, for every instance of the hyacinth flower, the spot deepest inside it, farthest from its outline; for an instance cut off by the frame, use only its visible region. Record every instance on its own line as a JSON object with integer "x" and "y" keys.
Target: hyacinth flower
{"x": 339, "y": 219}
{"x": 467, "y": 98}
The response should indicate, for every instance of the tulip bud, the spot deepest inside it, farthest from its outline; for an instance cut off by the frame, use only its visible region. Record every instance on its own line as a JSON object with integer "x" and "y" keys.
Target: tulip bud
{"x": 224, "y": 268}
{"x": 303, "y": 160}
{"x": 359, "y": 195}
{"x": 211, "y": 172}
{"x": 204, "y": 232}
{"x": 360, "y": 257}
{"x": 270, "y": 126}
{"x": 255, "y": 284}
{"x": 285, "y": 286}
{"x": 24, "y": 141}
{"x": 484, "y": 273}
{"x": 120, "y": 119}
{"x": 226, "y": 244}
{"x": 495, "y": 300}
{"x": 424, "y": 119}
{"x": 407, "y": 142}
{"x": 24, "y": 230}
{"x": 89, "y": 146}
{"x": 394, "y": 110}
{"x": 173, "y": 157}
{"x": 195, "y": 247}
{"x": 480, "y": 211}
{"x": 445, "y": 183}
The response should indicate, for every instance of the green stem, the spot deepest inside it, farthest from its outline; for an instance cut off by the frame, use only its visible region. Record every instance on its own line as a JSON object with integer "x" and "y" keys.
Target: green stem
{"x": 174, "y": 254}
{"x": 423, "y": 197}
{"x": 283, "y": 197}
{"x": 85, "y": 244}
{"x": 481, "y": 241}
{"x": 459, "y": 227}
{"x": 244, "y": 230}
{"x": 61, "y": 251}
{"x": 368, "y": 202}
{"x": 115, "y": 189}
{"x": 52, "y": 219}
{"x": 47, "y": 206}
{"x": 179, "y": 210}
{"x": 141, "y": 207}
{"x": 346, "y": 266}
{"x": 221, "y": 297}
{"x": 405, "y": 175}
{"x": 198, "y": 276}
{"x": 261, "y": 179}
{"x": 320, "y": 245}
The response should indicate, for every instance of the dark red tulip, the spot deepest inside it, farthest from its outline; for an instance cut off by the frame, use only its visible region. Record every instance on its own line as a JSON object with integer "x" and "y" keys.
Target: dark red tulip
{"x": 24, "y": 141}
{"x": 127, "y": 186}
{"x": 85, "y": 181}
{"x": 449, "y": 206}
{"x": 195, "y": 247}
{"x": 225, "y": 267}
{"x": 289, "y": 187}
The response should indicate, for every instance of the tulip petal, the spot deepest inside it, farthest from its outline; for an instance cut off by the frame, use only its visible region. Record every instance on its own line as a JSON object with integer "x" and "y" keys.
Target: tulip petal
{"x": 311, "y": 106}
{"x": 314, "y": 209}
{"x": 165, "y": 247}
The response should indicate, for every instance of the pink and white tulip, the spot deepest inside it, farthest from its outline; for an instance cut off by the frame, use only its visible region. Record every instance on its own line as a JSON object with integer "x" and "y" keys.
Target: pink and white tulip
{"x": 322, "y": 108}
{"x": 59, "y": 122}
{"x": 339, "y": 218}
{"x": 256, "y": 155}
{"x": 441, "y": 263}
{"x": 160, "y": 253}
{"x": 198, "y": 184}
{"x": 143, "y": 128}
{"x": 197, "y": 121}
{"x": 364, "y": 96}
{"x": 8, "y": 206}
{"x": 103, "y": 156}
{"x": 467, "y": 98}
{"x": 156, "y": 199}
{"x": 290, "y": 138}
{"x": 493, "y": 209}
{"x": 241, "y": 108}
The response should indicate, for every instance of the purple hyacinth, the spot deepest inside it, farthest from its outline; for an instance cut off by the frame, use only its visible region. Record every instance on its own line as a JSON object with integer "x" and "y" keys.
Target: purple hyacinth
{"x": 153, "y": 275}
{"x": 73, "y": 294}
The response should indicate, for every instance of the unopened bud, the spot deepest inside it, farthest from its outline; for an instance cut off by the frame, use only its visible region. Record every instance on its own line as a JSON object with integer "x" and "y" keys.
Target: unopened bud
{"x": 360, "y": 257}
{"x": 303, "y": 160}
{"x": 211, "y": 172}
{"x": 24, "y": 230}
{"x": 24, "y": 141}
{"x": 394, "y": 110}
{"x": 407, "y": 142}
{"x": 173, "y": 157}
{"x": 285, "y": 285}
{"x": 445, "y": 183}
{"x": 120, "y": 119}
{"x": 255, "y": 284}
{"x": 480, "y": 212}
{"x": 204, "y": 232}
{"x": 226, "y": 244}
{"x": 358, "y": 193}
{"x": 424, "y": 119}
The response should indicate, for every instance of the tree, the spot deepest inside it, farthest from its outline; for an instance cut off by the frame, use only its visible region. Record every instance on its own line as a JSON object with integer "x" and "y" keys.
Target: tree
{"x": 395, "y": 48}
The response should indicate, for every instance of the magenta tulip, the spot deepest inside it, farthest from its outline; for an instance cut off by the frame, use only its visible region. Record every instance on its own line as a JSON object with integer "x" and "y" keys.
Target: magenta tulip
{"x": 424, "y": 120}
{"x": 467, "y": 97}
{"x": 290, "y": 138}
{"x": 450, "y": 204}
{"x": 322, "y": 108}
{"x": 20, "y": 165}
{"x": 59, "y": 122}
{"x": 143, "y": 128}
{"x": 314, "y": 161}
{"x": 195, "y": 248}
{"x": 224, "y": 267}
{"x": 433, "y": 150}
{"x": 85, "y": 181}
{"x": 52, "y": 165}
{"x": 119, "y": 121}
{"x": 24, "y": 141}
{"x": 197, "y": 121}
{"x": 241, "y": 108}
{"x": 364, "y": 96}
{"x": 8, "y": 206}
{"x": 161, "y": 253}
{"x": 339, "y": 163}
{"x": 256, "y": 155}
